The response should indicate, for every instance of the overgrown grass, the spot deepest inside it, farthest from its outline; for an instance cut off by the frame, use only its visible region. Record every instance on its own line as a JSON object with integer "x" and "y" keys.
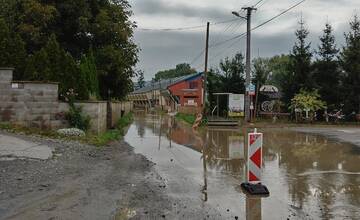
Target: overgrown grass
{"x": 29, "y": 131}
{"x": 124, "y": 122}
{"x": 93, "y": 139}
{"x": 190, "y": 119}
{"x": 104, "y": 138}
{"x": 112, "y": 135}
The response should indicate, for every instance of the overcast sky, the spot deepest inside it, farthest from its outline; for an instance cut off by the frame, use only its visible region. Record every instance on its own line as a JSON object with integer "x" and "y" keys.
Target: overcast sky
{"x": 164, "y": 49}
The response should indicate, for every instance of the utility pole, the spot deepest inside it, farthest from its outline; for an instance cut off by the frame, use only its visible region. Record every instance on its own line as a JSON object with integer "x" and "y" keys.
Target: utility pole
{"x": 248, "y": 62}
{"x": 206, "y": 66}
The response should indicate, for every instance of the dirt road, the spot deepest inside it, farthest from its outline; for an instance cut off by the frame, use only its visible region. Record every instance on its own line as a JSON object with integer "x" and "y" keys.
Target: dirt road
{"x": 82, "y": 182}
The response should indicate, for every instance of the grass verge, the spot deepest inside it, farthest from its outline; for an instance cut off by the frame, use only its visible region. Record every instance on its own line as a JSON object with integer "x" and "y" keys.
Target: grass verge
{"x": 93, "y": 139}
{"x": 190, "y": 119}
{"x": 112, "y": 135}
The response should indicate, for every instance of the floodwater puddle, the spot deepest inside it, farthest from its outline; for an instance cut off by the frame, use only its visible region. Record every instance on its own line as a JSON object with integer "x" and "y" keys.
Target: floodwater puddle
{"x": 309, "y": 176}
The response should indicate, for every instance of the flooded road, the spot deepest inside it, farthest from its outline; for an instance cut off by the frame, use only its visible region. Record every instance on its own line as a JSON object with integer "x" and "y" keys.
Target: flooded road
{"x": 309, "y": 176}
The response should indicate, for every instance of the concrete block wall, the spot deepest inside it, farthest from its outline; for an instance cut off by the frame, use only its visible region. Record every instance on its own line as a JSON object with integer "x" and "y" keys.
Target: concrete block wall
{"x": 97, "y": 112}
{"x": 119, "y": 109}
{"x": 36, "y": 104}
{"x": 27, "y": 103}
{"x": 6, "y": 76}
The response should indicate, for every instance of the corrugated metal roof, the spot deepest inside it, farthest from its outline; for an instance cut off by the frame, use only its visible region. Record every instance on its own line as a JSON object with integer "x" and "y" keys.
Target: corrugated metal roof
{"x": 163, "y": 84}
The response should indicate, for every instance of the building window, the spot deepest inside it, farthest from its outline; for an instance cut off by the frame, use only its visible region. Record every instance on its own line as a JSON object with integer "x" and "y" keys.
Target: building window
{"x": 193, "y": 85}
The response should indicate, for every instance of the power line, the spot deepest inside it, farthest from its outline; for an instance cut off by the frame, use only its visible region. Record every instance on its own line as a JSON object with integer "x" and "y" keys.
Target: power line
{"x": 263, "y": 3}
{"x": 244, "y": 34}
{"x": 197, "y": 57}
{"x": 236, "y": 27}
{"x": 185, "y": 28}
{"x": 213, "y": 45}
{"x": 257, "y": 3}
{"x": 258, "y": 26}
{"x": 224, "y": 30}
{"x": 282, "y": 13}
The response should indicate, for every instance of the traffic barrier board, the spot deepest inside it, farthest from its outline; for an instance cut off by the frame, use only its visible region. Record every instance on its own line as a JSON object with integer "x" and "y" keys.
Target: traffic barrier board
{"x": 253, "y": 184}
{"x": 255, "y": 142}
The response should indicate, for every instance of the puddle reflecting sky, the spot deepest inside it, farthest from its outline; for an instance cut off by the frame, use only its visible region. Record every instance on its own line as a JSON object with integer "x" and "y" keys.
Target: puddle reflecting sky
{"x": 309, "y": 176}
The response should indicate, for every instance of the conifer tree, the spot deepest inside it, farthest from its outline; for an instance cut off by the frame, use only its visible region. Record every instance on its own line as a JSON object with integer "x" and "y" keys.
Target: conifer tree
{"x": 326, "y": 68}
{"x": 350, "y": 63}
{"x": 141, "y": 80}
{"x": 89, "y": 71}
{"x": 12, "y": 50}
{"x": 52, "y": 63}
{"x": 299, "y": 74}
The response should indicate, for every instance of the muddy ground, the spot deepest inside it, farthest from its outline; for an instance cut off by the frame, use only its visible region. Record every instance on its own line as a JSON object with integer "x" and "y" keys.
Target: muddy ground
{"x": 83, "y": 182}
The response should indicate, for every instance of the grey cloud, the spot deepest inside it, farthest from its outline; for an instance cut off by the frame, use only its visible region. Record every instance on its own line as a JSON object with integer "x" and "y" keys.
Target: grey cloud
{"x": 162, "y": 50}
{"x": 152, "y": 7}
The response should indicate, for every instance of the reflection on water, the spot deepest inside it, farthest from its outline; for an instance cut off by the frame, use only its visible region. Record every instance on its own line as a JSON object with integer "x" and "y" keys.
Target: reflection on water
{"x": 308, "y": 176}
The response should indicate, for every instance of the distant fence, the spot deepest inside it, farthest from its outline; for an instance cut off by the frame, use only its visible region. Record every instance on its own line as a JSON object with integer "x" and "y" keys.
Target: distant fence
{"x": 36, "y": 104}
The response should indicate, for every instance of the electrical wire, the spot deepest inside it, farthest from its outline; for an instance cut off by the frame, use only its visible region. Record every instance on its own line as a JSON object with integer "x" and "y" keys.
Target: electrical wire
{"x": 230, "y": 28}
{"x": 263, "y": 3}
{"x": 244, "y": 34}
{"x": 258, "y": 26}
{"x": 224, "y": 30}
{"x": 185, "y": 28}
{"x": 257, "y": 3}
{"x": 282, "y": 13}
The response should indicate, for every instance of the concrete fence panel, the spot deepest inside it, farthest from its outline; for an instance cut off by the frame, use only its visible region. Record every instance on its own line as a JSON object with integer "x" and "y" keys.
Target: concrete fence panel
{"x": 36, "y": 104}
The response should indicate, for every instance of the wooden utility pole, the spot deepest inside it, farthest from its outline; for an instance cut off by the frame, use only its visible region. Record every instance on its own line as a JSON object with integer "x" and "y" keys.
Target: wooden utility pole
{"x": 206, "y": 66}
{"x": 248, "y": 62}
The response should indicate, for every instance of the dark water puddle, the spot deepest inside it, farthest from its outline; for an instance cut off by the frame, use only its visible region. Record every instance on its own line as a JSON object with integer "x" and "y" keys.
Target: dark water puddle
{"x": 309, "y": 176}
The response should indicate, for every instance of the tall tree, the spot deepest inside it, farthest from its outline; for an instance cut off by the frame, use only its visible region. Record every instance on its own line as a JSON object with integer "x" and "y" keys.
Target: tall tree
{"x": 261, "y": 71}
{"x": 181, "y": 69}
{"x": 12, "y": 50}
{"x": 300, "y": 68}
{"x": 52, "y": 63}
{"x": 103, "y": 25}
{"x": 350, "y": 62}
{"x": 89, "y": 71}
{"x": 141, "y": 79}
{"x": 279, "y": 66}
{"x": 32, "y": 20}
{"x": 326, "y": 68}
{"x": 232, "y": 74}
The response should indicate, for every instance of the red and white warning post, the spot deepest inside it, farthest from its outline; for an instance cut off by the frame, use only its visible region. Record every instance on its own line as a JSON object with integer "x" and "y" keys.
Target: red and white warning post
{"x": 255, "y": 143}
{"x": 253, "y": 184}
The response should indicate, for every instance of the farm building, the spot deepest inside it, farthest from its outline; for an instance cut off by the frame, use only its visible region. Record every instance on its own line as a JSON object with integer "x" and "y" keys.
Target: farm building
{"x": 183, "y": 94}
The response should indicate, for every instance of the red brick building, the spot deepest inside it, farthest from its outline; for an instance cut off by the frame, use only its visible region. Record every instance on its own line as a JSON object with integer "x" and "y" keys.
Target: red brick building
{"x": 189, "y": 92}
{"x": 183, "y": 94}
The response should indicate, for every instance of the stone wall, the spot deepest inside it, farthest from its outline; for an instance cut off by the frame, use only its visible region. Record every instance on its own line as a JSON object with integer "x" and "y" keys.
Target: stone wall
{"x": 36, "y": 104}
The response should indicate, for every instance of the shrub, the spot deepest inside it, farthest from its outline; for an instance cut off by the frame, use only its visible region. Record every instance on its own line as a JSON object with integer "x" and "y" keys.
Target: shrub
{"x": 77, "y": 119}
{"x": 75, "y": 116}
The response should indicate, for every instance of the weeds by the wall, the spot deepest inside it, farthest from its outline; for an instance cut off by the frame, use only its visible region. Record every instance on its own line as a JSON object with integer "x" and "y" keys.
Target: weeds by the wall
{"x": 190, "y": 119}
{"x": 112, "y": 135}
{"x": 93, "y": 139}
